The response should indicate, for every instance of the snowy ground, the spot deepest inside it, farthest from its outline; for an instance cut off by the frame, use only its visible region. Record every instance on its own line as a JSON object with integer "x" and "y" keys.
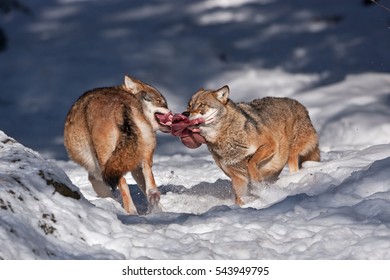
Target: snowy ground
{"x": 331, "y": 56}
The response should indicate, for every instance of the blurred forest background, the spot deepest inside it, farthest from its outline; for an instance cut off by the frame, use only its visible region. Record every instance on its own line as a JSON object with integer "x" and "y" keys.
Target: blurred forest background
{"x": 54, "y": 50}
{"x": 7, "y": 6}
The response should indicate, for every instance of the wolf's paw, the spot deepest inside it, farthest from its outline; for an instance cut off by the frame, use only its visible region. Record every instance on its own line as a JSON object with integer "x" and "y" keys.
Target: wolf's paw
{"x": 259, "y": 185}
{"x": 239, "y": 201}
{"x": 154, "y": 209}
{"x": 130, "y": 209}
{"x": 154, "y": 196}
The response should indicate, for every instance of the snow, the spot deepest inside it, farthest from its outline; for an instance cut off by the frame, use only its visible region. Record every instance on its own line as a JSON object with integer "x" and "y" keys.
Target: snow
{"x": 331, "y": 56}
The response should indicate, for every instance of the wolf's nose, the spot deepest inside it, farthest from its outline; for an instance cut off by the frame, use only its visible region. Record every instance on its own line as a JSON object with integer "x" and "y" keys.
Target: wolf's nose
{"x": 186, "y": 114}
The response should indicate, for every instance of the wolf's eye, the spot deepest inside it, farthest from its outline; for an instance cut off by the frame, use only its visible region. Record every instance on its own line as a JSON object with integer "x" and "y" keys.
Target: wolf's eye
{"x": 202, "y": 108}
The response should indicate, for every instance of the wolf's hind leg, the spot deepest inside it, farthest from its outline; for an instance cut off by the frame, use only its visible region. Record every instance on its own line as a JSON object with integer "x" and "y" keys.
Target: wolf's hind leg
{"x": 293, "y": 162}
{"x": 262, "y": 157}
{"x": 101, "y": 189}
{"x": 128, "y": 203}
{"x": 312, "y": 155}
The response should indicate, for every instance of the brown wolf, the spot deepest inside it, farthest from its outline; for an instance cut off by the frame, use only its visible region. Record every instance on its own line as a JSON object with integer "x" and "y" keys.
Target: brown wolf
{"x": 111, "y": 131}
{"x": 252, "y": 142}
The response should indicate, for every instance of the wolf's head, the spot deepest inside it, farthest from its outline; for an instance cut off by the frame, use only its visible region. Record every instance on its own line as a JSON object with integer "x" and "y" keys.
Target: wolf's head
{"x": 209, "y": 105}
{"x": 153, "y": 102}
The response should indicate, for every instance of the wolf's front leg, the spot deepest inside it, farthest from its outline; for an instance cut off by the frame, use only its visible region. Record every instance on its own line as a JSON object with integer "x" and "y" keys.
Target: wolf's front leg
{"x": 151, "y": 191}
{"x": 128, "y": 203}
{"x": 240, "y": 188}
{"x": 240, "y": 182}
{"x": 139, "y": 177}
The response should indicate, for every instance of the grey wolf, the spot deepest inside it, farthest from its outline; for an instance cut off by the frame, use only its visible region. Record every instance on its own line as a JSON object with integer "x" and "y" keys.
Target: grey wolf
{"x": 252, "y": 142}
{"x": 112, "y": 131}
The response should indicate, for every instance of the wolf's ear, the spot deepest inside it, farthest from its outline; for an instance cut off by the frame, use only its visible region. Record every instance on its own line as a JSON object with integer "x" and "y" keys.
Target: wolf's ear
{"x": 222, "y": 94}
{"x": 132, "y": 85}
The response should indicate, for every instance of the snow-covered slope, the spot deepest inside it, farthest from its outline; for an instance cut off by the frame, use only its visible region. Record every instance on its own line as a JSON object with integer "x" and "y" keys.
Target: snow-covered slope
{"x": 339, "y": 209}
{"x": 332, "y": 56}
{"x": 43, "y": 215}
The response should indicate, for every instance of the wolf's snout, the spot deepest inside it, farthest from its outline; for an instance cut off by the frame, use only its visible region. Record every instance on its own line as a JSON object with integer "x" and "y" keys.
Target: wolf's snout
{"x": 186, "y": 114}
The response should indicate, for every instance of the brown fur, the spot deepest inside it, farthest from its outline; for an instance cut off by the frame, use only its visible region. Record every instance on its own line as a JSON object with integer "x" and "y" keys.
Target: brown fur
{"x": 252, "y": 142}
{"x": 111, "y": 131}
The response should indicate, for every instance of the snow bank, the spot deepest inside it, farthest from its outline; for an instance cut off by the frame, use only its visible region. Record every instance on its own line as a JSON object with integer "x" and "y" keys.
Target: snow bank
{"x": 336, "y": 209}
{"x": 43, "y": 215}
